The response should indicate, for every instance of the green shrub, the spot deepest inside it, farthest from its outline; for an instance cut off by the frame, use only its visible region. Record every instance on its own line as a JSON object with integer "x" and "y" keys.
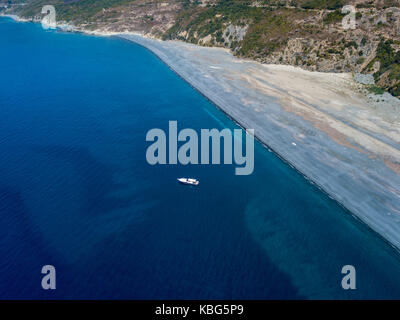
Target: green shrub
{"x": 376, "y": 90}
{"x": 323, "y": 4}
{"x": 333, "y": 17}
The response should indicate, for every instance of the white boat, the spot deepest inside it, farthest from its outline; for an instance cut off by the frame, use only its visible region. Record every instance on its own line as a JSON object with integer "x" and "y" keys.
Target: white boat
{"x": 189, "y": 181}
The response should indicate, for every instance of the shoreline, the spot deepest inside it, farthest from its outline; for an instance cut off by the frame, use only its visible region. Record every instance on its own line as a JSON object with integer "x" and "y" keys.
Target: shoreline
{"x": 264, "y": 143}
{"x": 236, "y": 109}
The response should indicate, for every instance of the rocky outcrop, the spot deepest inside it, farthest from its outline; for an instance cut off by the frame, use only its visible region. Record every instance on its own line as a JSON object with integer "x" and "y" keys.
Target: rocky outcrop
{"x": 233, "y": 34}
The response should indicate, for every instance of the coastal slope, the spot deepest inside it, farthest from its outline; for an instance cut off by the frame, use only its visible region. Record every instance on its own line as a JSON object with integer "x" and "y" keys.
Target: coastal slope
{"x": 318, "y": 122}
{"x": 313, "y": 34}
{"x": 323, "y": 124}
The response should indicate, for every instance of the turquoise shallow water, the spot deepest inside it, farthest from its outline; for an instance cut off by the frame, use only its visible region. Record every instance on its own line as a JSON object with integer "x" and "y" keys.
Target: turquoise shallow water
{"x": 76, "y": 191}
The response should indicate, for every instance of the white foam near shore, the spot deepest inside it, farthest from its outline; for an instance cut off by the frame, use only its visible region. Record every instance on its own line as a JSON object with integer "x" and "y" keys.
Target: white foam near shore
{"x": 347, "y": 144}
{"x": 14, "y": 17}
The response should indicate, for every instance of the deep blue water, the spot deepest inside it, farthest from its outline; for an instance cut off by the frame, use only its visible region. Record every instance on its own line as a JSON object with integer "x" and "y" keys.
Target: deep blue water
{"x": 76, "y": 191}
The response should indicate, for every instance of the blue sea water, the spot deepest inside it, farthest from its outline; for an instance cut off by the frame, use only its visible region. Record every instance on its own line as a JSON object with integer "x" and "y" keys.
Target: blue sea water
{"x": 76, "y": 191}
